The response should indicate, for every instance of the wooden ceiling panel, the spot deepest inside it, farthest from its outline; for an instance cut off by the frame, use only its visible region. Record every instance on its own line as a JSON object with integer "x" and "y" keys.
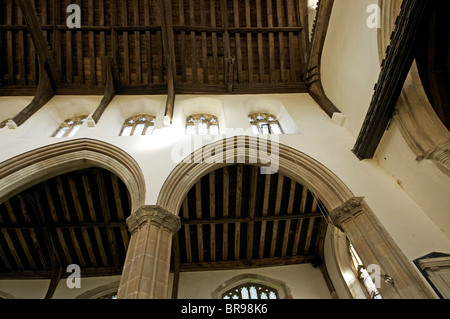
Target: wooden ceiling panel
{"x": 237, "y": 218}
{"x": 220, "y": 46}
{"x": 75, "y": 218}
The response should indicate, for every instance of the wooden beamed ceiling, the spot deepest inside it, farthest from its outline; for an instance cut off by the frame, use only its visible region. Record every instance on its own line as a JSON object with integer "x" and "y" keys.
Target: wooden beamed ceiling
{"x": 216, "y": 46}
{"x": 236, "y": 218}
{"x": 233, "y": 218}
{"x": 76, "y": 218}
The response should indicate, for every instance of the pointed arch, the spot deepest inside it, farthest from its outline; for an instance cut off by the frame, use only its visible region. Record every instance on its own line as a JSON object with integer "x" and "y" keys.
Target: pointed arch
{"x": 30, "y": 168}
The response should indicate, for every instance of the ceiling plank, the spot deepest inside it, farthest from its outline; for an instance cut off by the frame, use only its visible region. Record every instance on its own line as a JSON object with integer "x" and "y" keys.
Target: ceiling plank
{"x": 226, "y": 199}
{"x": 237, "y": 231}
{"x": 251, "y": 212}
{"x": 260, "y": 41}
{"x": 98, "y": 237}
{"x": 119, "y": 207}
{"x": 187, "y": 231}
{"x": 212, "y": 214}
{"x": 290, "y": 22}
{"x": 277, "y": 212}
{"x": 287, "y": 226}
{"x": 204, "y": 43}
{"x": 271, "y": 42}
{"x": 214, "y": 43}
{"x": 79, "y": 211}
{"x": 310, "y": 227}
{"x": 265, "y": 212}
{"x": 242, "y": 264}
{"x": 193, "y": 40}
{"x": 106, "y": 209}
{"x": 299, "y": 225}
{"x": 32, "y": 232}
{"x": 249, "y": 42}
{"x": 198, "y": 211}
{"x": 280, "y": 21}
{"x": 20, "y": 236}
{"x": 12, "y": 249}
{"x": 65, "y": 209}
{"x": 55, "y": 219}
{"x": 182, "y": 42}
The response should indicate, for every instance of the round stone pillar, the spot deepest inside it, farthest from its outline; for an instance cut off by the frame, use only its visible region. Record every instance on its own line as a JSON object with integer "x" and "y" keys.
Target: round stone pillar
{"x": 147, "y": 265}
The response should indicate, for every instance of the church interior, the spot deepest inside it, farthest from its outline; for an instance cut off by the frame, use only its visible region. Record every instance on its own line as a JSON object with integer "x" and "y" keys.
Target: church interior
{"x": 224, "y": 149}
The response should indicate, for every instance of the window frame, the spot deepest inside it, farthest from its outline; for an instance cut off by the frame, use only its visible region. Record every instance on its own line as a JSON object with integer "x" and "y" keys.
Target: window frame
{"x": 77, "y": 123}
{"x": 256, "y": 119}
{"x": 282, "y": 290}
{"x": 202, "y": 118}
{"x": 149, "y": 122}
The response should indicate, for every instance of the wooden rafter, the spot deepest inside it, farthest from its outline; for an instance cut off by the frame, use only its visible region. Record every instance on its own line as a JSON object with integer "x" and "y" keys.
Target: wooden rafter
{"x": 394, "y": 70}
{"x": 257, "y": 229}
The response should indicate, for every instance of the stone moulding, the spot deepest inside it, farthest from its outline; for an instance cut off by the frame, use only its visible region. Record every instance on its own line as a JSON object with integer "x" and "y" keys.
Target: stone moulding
{"x": 154, "y": 215}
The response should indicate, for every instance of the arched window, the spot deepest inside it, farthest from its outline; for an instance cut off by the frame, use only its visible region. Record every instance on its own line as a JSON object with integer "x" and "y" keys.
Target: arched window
{"x": 70, "y": 126}
{"x": 251, "y": 291}
{"x": 264, "y": 123}
{"x": 138, "y": 125}
{"x": 251, "y": 286}
{"x": 363, "y": 275}
{"x": 202, "y": 124}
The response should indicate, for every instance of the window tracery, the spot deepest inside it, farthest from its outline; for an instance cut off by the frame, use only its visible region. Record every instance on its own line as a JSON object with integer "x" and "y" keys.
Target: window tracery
{"x": 138, "y": 125}
{"x": 264, "y": 123}
{"x": 70, "y": 126}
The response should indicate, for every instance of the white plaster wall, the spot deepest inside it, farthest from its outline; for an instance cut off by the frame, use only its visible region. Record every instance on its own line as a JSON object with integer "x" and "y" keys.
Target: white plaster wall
{"x": 316, "y": 135}
{"x": 304, "y": 281}
{"x": 350, "y": 64}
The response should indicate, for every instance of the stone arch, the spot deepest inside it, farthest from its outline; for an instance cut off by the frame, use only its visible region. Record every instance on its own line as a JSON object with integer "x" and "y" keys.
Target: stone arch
{"x": 290, "y": 162}
{"x": 28, "y": 169}
{"x": 419, "y": 124}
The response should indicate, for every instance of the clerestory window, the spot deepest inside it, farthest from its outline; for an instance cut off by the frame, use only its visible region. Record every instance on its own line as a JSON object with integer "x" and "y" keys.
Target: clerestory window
{"x": 138, "y": 125}
{"x": 265, "y": 124}
{"x": 70, "y": 126}
{"x": 202, "y": 124}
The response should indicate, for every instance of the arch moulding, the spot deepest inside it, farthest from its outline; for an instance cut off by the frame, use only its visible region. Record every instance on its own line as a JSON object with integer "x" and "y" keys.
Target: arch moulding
{"x": 31, "y": 168}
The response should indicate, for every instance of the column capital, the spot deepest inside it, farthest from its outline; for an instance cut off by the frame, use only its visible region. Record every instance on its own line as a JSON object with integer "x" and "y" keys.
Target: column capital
{"x": 346, "y": 211}
{"x": 155, "y": 215}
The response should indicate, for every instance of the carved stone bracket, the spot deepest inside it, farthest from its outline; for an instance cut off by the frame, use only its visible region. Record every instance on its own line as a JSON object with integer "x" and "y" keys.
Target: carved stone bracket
{"x": 346, "y": 211}
{"x": 156, "y": 216}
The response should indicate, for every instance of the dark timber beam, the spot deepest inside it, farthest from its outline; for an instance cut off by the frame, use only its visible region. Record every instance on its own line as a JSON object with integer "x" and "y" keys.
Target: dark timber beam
{"x": 312, "y": 76}
{"x": 165, "y": 10}
{"x": 112, "y": 85}
{"x": 395, "y": 68}
{"x": 48, "y": 73}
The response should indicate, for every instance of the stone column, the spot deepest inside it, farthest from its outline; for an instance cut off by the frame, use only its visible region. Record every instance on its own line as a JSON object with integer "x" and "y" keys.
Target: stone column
{"x": 375, "y": 247}
{"x": 147, "y": 265}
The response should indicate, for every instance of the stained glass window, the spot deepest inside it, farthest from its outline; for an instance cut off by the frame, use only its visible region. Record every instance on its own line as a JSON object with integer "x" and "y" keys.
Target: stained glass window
{"x": 251, "y": 291}
{"x": 264, "y": 123}
{"x": 70, "y": 126}
{"x": 138, "y": 125}
{"x": 202, "y": 124}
